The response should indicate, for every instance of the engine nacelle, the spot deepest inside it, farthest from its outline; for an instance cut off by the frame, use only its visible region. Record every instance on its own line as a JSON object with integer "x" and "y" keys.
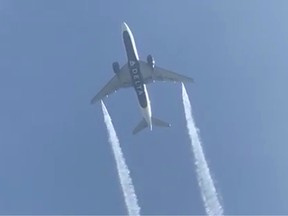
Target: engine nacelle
{"x": 151, "y": 61}
{"x": 116, "y": 67}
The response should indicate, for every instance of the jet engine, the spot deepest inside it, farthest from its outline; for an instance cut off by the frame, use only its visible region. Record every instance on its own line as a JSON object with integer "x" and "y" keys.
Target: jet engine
{"x": 151, "y": 61}
{"x": 116, "y": 67}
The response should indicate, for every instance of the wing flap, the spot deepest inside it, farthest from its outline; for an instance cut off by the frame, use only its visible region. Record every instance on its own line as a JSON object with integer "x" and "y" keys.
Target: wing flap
{"x": 112, "y": 86}
{"x": 161, "y": 74}
{"x": 121, "y": 80}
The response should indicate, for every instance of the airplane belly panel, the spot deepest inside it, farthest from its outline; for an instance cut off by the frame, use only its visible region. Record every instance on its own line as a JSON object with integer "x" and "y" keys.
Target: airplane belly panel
{"x": 137, "y": 81}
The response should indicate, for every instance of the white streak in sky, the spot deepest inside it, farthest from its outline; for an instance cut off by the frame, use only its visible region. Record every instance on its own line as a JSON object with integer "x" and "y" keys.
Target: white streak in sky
{"x": 123, "y": 171}
{"x": 205, "y": 181}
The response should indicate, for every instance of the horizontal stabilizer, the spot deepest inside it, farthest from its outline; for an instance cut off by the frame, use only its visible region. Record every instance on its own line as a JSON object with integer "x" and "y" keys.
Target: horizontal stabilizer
{"x": 160, "y": 123}
{"x": 143, "y": 124}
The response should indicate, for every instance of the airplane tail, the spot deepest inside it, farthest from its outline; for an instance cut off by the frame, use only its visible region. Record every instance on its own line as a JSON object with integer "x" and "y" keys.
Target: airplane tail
{"x": 143, "y": 124}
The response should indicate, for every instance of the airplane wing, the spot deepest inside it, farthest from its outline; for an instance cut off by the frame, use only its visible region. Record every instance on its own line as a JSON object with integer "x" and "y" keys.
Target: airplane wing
{"x": 122, "y": 80}
{"x": 161, "y": 74}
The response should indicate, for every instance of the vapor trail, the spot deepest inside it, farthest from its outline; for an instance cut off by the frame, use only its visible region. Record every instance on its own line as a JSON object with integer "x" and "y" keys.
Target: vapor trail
{"x": 205, "y": 181}
{"x": 123, "y": 171}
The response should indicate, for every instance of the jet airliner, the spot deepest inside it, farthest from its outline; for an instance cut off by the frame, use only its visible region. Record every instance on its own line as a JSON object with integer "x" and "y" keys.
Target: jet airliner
{"x": 136, "y": 73}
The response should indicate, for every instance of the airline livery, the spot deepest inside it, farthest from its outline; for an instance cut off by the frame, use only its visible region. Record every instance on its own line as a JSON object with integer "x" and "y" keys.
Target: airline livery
{"x": 136, "y": 73}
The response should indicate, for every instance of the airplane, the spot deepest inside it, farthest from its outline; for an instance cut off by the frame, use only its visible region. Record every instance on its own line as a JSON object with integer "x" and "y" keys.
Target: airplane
{"x": 136, "y": 73}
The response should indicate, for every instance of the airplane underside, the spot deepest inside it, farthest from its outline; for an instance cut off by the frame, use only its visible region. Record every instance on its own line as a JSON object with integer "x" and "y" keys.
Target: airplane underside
{"x": 137, "y": 74}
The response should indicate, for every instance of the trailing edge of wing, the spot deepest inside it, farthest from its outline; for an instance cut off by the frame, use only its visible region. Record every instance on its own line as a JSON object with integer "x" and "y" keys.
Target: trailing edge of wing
{"x": 112, "y": 86}
{"x": 161, "y": 74}
{"x": 121, "y": 80}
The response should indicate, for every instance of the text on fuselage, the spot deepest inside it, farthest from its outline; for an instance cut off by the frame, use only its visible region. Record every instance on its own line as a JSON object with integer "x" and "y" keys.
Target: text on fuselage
{"x": 136, "y": 77}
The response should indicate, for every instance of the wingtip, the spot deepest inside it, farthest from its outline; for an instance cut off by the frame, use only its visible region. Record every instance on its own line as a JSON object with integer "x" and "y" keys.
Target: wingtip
{"x": 134, "y": 132}
{"x": 95, "y": 99}
{"x": 92, "y": 102}
{"x": 191, "y": 80}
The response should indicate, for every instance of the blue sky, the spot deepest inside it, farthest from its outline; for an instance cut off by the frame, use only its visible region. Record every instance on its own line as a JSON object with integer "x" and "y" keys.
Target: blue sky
{"x": 55, "y": 55}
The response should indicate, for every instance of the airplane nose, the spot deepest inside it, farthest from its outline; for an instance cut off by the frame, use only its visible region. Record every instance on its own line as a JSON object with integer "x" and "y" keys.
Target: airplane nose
{"x": 124, "y": 27}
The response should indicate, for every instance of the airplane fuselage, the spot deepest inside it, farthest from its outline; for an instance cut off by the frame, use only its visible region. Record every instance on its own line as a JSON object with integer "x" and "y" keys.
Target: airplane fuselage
{"x": 136, "y": 75}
